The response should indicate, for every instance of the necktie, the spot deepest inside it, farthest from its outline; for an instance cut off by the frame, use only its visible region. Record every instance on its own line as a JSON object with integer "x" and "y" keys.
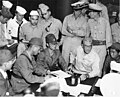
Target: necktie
{"x": 19, "y": 32}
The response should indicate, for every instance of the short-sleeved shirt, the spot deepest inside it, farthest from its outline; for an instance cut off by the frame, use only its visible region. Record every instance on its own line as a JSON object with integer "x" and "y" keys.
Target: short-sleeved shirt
{"x": 28, "y": 31}
{"x": 53, "y": 25}
{"x": 77, "y": 25}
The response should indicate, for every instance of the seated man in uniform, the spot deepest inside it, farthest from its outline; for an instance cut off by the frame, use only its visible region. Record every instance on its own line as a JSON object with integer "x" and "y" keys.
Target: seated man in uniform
{"x": 6, "y": 62}
{"x": 114, "y": 55}
{"x": 85, "y": 61}
{"x": 24, "y": 75}
{"x": 51, "y": 58}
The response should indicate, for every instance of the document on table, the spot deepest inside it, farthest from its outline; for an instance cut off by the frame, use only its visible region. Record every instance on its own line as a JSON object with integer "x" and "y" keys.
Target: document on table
{"x": 98, "y": 83}
{"x": 74, "y": 90}
{"x": 60, "y": 74}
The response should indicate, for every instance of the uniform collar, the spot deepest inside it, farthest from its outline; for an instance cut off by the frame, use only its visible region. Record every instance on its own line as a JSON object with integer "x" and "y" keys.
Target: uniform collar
{"x": 3, "y": 73}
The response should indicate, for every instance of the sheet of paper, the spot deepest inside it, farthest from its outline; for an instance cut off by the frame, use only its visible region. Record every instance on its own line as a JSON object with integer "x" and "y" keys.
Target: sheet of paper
{"x": 60, "y": 74}
{"x": 85, "y": 88}
{"x": 98, "y": 83}
{"x": 74, "y": 90}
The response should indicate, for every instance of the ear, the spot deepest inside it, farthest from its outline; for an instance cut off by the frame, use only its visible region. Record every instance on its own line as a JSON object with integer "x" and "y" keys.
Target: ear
{"x": 29, "y": 18}
{"x": 50, "y": 13}
{"x": 47, "y": 45}
{"x": 119, "y": 53}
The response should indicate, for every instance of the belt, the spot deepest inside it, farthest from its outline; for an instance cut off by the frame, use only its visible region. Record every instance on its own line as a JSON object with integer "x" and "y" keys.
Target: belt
{"x": 99, "y": 42}
{"x": 81, "y": 36}
{"x": 75, "y": 36}
{"x": 14, "y": 38}
{"x": 16, "y": 76}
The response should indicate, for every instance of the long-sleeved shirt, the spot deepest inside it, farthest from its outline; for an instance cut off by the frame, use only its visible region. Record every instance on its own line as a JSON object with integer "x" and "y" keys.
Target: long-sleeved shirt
{"x": 115, "y": 28}
{"x": 77, "y": 26}
{"x": 3, "y": 83}
{"x": 86, "y": 63}
{"x": 100, "y": 30}
{"x": 54, "y": 62}
{"x": 24, "y": 69}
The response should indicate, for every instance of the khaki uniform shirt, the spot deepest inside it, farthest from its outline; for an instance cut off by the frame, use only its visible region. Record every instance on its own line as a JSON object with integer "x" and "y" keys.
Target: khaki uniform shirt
{"x": 24, "y": 68}
{"x": 28, "y": 31}
{"x": 100, "y": 30}
{"x": 77, "y": 26}
{"x": 53, "y": 26}
{"x": 115, "y": 32}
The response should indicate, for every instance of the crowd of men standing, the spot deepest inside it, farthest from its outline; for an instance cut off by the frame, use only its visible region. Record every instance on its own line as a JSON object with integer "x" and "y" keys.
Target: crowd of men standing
{"x": 86, "y": 37}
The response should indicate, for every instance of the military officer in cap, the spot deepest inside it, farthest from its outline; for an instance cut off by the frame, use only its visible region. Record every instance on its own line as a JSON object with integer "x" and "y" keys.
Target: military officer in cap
{"x": 104, "y": 12}
{"x": 74, "y": 29}
{"x": 85, "y": 61}
{"x": 114, "y": 55}
{"x": 6, "y": 62}
{"x": 100, "y": 32}
{"x": 50, "y": 24}
{"x": 24, "y": 67}
{"x": 51, "y": 58}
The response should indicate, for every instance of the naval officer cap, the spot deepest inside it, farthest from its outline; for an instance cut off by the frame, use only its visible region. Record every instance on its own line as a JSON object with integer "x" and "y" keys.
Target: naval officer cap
{"x": 7, "y": 4}
{"x": 21, "y": 10}
{"x": 44, "y": 8}
{"x": 79, "y": 5}
{"x": 95, "y": 7}
{"x": 34, "y": 13}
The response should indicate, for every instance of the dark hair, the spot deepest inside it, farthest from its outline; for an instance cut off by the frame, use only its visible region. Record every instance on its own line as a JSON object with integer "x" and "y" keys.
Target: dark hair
{"x": 114, "y": 49}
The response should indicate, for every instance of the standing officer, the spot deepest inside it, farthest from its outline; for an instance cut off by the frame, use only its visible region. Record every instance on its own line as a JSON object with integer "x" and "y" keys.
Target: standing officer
{"x": 100, "y": 32}
{"x": 115, "y": 28}
{"x": 74, "y": 29}
{"x": 50, "y": 24}
{"x": 104, "y": 12}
